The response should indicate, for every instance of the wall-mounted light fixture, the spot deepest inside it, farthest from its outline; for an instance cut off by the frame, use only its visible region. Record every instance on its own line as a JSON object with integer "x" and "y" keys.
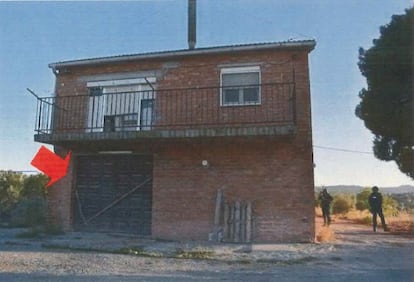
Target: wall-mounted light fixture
{"x": 205, "y": 163}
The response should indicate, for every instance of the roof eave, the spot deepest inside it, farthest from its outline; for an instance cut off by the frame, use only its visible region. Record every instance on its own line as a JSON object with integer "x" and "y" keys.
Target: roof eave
{"x": 307, "y": 45}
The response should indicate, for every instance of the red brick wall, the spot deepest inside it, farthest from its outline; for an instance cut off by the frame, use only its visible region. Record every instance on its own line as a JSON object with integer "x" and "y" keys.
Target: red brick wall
{"x": 59, "y": 197}
{"x": 196, "y": 72}
{"x": 274, "y": 173}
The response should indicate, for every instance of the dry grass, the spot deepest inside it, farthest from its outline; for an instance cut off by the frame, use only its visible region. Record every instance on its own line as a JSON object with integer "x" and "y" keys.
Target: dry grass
{"x": 403, "y": 223}
{"x": 360, "y": 217}
{"x": 325, "y": 234}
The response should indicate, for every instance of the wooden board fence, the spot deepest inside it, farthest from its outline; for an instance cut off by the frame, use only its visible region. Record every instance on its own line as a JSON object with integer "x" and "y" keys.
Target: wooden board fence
{"x": 232, "y": 221}
{"x": 237, "y": 226}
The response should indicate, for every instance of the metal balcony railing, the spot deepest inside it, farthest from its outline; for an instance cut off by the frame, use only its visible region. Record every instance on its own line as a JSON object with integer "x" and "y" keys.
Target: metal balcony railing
{"x": 168, "y": 109}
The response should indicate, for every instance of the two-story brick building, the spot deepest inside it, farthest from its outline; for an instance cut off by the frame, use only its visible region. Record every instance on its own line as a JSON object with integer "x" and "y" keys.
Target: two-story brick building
{"x": 155, "y": 136}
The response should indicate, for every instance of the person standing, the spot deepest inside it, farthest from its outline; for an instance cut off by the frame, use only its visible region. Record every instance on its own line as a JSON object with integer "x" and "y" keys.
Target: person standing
{"x": 375, "y": 204}
{"x": 325, "y": 201}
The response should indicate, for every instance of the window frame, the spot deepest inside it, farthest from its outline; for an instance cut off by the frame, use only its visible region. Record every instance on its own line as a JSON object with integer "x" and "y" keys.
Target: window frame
{"x": 99, "y": 89}
{"x": 240, "y": 70}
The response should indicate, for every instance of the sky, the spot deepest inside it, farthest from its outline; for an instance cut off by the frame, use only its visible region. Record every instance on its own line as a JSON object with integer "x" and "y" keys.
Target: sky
{"x": 34, "y": 34}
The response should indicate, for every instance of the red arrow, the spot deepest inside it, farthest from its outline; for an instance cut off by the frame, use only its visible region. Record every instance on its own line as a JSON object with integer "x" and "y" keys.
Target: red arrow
{"x": 51, "y": 164}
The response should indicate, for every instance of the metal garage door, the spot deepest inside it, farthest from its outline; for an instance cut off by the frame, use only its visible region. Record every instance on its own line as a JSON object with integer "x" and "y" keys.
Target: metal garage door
{"x": 113, "y": 193}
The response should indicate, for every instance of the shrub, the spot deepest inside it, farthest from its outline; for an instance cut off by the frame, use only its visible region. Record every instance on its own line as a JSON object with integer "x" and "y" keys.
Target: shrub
{"x": 34, "y": 186}
{"x": 390, "y": 206}
{"x": 29, "y": 213}
{"x": 362, "y": 199}
{"x": 11, "y": 185}
{"x": 357, "y": 216}
{"x": 22, "y": 199}
{"x": 342, "y": 203}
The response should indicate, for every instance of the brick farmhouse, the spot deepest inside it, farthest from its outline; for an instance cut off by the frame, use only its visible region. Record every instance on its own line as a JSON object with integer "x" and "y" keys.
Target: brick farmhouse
{"x": 194, "y": 144}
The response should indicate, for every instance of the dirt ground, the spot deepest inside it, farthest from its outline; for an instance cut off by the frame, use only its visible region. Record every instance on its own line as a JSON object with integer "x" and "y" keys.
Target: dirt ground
{"x": 357, "y": 254}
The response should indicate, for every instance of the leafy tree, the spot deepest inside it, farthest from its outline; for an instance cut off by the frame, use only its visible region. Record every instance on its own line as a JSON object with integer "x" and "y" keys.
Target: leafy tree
{"x": 387, "y": 104}
{"x": 22, "y": 198}
{"x": 11, "y": 185}
{"x": 34, "y": 186}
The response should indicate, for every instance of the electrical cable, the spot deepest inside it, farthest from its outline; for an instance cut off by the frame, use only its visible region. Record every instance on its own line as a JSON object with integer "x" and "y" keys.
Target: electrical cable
{"x": 342, "y": 150}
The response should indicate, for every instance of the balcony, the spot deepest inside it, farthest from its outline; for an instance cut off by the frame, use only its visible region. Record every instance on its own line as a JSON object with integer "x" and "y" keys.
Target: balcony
{"x": 265, "y": 109}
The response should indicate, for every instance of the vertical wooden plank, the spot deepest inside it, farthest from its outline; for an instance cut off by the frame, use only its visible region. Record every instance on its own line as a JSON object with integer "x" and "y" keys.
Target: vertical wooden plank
{"x": 231, "y": 223}
{"x": 237, "y": 222}
{"x": 249, "y": 222}
{"x": 217, "y": 211}
{"x": 226, "y": 214}
{"x": 243, "y": 222}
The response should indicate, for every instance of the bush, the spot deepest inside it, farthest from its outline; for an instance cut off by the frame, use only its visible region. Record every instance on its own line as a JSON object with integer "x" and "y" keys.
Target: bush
{"x": 362, "y": 199}
{"x": 357, "y": 216}
{"x": 390, "y": 206}
{"x": 22, "y": 199}
{"x": 29, "y": 213}
{"x": 34, "y": 186}
{"x": 342, "y": 203}
{"x": 11, "y": 185}
{"x": 360, "y": 205}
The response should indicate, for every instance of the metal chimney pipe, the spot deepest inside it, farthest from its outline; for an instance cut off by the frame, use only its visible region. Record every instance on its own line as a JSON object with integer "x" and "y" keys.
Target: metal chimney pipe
{"x": 191, "y": 24}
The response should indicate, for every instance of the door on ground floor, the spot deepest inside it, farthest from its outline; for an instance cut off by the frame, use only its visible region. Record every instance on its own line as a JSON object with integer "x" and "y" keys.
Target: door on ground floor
{"x": 113, "y": 193}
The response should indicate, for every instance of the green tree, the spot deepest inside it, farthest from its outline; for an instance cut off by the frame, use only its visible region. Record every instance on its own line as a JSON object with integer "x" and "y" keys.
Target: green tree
{"x": 11, "y": 185}
{"x": 34, "y": 186}
{"x": 22, "y": 198}
{"x": 387, "y": 104}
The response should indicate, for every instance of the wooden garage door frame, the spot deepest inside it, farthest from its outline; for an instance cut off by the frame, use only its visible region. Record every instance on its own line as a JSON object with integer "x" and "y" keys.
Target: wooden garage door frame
{"x": 113, "y": 193}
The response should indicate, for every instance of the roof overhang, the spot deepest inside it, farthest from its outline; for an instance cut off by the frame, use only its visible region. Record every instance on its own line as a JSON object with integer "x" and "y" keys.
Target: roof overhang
{"x": 305, "y": 45}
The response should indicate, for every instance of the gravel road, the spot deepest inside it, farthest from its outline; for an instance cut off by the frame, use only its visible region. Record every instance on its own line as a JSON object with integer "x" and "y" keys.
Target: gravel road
{"x": 357, "y": 255}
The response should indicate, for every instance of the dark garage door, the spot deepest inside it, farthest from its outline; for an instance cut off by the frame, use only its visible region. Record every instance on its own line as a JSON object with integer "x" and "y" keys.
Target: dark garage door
{"x": 106, "y": 196}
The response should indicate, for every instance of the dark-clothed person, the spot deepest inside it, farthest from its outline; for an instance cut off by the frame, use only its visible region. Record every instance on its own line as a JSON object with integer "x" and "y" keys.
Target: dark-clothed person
{"x": 325, "y": 200}
{"x": 375, "y": 204}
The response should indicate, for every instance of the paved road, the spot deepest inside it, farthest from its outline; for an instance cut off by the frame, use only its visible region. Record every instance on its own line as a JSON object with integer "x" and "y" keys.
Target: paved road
{"x": 358, "y": 255}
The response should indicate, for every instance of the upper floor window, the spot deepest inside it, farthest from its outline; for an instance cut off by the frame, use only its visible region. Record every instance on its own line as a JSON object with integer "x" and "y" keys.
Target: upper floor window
{"x": 121, "y": 105}
{"x": 240, "y": 86}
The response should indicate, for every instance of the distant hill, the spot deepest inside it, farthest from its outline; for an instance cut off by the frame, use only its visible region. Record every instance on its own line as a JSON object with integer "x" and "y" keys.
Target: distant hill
{"x": 356, "y": 189}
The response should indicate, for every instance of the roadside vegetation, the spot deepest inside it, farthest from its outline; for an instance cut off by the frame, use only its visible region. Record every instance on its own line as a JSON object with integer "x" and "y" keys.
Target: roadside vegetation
{"x": 398, "y": 210}
{"x": 23, "y": 203}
